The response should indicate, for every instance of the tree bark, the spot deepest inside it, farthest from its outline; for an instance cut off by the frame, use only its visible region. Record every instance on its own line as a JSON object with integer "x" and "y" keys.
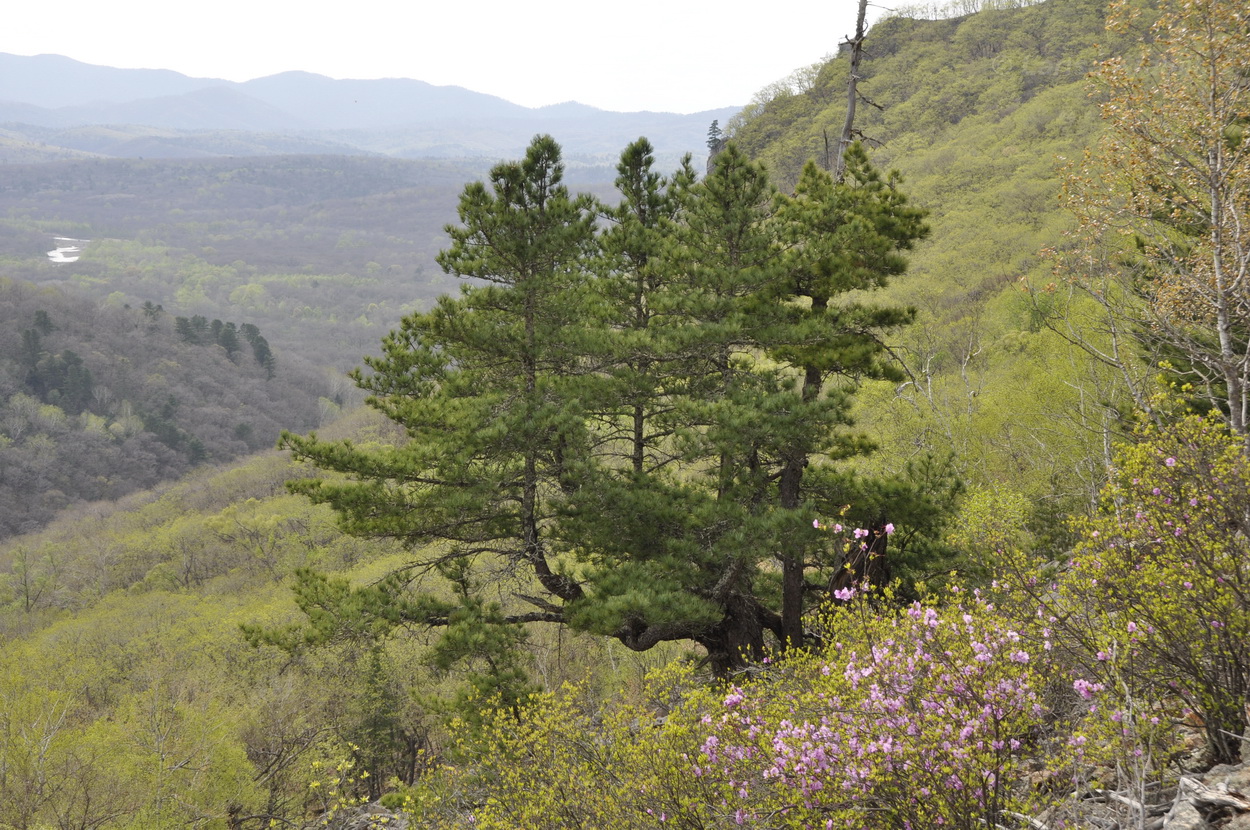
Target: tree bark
{"x": 789, "y": 497}
{"x": 737, "y": 641}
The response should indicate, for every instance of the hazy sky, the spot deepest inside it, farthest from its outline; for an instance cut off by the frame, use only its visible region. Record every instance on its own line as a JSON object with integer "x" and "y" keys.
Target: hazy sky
{"x": 664, "y": 55}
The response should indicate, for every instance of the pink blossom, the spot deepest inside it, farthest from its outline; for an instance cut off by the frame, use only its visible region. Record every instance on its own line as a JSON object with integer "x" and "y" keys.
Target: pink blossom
{"x": 1086, "y": 689}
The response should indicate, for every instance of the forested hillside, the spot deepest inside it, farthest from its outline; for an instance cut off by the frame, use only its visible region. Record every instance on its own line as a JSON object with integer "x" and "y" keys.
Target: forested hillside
{"x": 129, "y": 696}
{"x": 981, "y": 114}
{"x": 98, "y": 402}
{"x": 756, "y": 496}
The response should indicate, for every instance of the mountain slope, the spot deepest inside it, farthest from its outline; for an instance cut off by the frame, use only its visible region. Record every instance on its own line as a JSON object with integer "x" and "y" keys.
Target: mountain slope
{"x": 53, "y": 81}
{"x": 326, "y": 103}
{"x": 96, "y": 402}
{"x": 208, "y": 108}
{"x": 979, "y": 113}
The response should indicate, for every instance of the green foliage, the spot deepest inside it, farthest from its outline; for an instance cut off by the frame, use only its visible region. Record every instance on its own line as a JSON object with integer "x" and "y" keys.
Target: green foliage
{"x": 479, "y": 636}
{"x": 992, "y": 520}
{"x": 138, "y": 705}
{"x": 564, "y": 764}
{"x": 162, "y": 754}
{"x": 1156, "y": 591}
{"x": 627, "y": 424}
{"x": 103, "y": 402}
{"x": 622, "y": 423}
{"x": 1170, "y": 174}
{"x": 977, "y": 111}
{"x": 924, "y": 717}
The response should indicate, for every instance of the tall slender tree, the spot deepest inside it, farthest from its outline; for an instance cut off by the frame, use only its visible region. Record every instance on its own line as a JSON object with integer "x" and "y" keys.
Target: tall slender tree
{"x": 477, "y": 383}
{"x": 672, "y": 542}
{"x": 1163, "y": 204}
{"x": 844, "y": 236}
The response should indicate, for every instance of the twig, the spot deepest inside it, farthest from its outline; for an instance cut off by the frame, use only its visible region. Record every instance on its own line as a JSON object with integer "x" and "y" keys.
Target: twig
{"x": 1111, "y": 795}
{"x": 1032, "y": 822}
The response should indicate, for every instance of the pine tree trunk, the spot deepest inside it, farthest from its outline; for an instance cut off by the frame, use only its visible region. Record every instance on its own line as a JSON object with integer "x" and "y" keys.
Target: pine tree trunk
{"x": 737, "y": 641}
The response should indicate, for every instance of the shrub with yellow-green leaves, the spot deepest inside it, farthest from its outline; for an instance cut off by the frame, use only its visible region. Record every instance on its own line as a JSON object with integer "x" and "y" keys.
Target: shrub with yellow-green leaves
{"x": 1155, "y": 603}
{"x": 566, "y": 763}
{"x": 921, "y": 717}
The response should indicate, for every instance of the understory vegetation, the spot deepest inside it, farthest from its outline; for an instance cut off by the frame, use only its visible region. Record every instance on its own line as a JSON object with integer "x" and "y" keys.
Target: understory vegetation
{"x": 762, "y": 497}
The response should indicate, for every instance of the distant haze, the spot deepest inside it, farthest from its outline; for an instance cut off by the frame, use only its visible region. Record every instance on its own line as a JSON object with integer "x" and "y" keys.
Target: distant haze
{"x": 55, "y": 107}
{"x": 657, "y": 55}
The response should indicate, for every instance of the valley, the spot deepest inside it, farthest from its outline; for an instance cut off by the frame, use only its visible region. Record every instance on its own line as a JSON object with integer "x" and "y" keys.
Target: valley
{"x": 507, "y": 471}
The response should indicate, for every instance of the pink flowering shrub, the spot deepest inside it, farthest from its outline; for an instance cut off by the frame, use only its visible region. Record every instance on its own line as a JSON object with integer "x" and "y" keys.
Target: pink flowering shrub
{"x": 917, "y": 719}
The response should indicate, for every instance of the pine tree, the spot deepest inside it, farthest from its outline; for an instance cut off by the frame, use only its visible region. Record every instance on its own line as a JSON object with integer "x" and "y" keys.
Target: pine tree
{"x": 479, "y": 383}
{"x": 182, "y": 327}
{"x": 646, "y": 410}
{"x": 715, "y": 138}
{"x": 746, "y": 331}
{"x": 43, "y": 323}
{"x": 31, "y": 350}
{"x": 635, "y": 289}
{"x": 842, "y": 236}
{"x": 228, "y": 339}
{"x": 675, "y": 547}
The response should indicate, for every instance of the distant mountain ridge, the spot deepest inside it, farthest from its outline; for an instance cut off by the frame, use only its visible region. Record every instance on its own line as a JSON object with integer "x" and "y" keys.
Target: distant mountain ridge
{"x": 55, "y": 81}
{"x": 53, "y": 92}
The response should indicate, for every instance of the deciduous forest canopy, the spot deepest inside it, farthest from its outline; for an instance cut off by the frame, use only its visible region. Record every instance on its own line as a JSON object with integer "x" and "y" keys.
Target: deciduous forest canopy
{"x": 746, "y": 496}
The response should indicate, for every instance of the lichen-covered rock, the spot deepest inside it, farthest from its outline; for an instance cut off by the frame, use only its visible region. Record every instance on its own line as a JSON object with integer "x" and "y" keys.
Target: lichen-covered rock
{"x": 371, "y": 816}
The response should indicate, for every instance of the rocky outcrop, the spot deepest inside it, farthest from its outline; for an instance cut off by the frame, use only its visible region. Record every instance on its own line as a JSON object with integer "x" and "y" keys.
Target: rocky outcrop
{"x": 1219, "y": 798}
{"x": 371, "y": 816}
